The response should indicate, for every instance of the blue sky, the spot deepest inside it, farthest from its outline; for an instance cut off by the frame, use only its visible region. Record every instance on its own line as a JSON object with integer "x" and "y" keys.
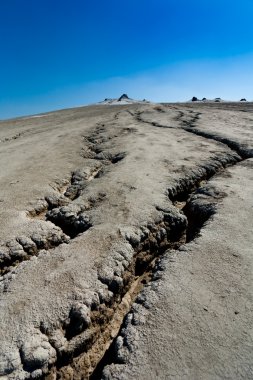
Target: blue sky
{"x": 63, "y": 53}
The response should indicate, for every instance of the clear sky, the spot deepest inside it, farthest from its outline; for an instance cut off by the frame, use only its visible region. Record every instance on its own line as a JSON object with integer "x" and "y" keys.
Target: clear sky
{"x": 63, "y": 53}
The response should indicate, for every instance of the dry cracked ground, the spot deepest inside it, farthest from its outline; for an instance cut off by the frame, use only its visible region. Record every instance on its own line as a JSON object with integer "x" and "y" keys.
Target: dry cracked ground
{"x": 126, "y": 243}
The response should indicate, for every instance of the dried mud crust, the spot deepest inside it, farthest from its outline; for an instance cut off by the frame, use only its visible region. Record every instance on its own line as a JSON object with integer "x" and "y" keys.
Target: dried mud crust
{"x": 75, "y": 347}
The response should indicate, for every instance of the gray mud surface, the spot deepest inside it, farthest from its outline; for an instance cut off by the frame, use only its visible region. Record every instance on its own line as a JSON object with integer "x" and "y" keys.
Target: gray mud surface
{"x": 126, "y": 243}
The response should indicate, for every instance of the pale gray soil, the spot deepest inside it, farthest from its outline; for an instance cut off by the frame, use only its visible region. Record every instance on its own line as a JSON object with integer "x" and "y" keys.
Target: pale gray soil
{"x": 98, "y": 201}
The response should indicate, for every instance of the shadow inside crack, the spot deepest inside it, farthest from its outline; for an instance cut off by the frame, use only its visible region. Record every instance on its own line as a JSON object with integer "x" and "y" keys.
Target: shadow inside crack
{"x": 71, "y": 223}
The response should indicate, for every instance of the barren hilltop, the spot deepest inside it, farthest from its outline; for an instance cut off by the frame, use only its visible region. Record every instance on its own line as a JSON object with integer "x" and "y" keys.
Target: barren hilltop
{"x": 126, "y": 242}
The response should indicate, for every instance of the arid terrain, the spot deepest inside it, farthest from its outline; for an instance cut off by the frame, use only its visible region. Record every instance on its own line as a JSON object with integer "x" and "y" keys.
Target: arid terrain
{"x": 126, "y": 243}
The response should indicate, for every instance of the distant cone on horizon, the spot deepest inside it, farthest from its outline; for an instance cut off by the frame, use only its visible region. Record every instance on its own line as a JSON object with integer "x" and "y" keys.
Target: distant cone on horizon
{"x": 124, "y": 96}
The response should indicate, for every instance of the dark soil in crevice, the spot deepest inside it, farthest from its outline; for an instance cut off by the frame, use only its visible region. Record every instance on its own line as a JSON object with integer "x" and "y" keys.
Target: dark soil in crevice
{"x": 107, "y": 359}
{"x": 197, "y": 219}
{"x": 117, "y": 157}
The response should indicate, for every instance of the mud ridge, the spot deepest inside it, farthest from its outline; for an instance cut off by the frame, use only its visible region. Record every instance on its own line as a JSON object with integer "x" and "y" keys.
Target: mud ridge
{"x": 15, "y": 137}
{"x": 23, "y": 248}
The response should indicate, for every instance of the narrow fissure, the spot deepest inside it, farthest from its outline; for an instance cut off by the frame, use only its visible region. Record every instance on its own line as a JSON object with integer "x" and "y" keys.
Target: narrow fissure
{"x": 153, "y": 123}
{"x": 107, "y": 359}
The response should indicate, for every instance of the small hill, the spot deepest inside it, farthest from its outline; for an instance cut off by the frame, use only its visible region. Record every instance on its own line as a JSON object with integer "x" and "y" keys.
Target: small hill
{"x": 123, "y": 99}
